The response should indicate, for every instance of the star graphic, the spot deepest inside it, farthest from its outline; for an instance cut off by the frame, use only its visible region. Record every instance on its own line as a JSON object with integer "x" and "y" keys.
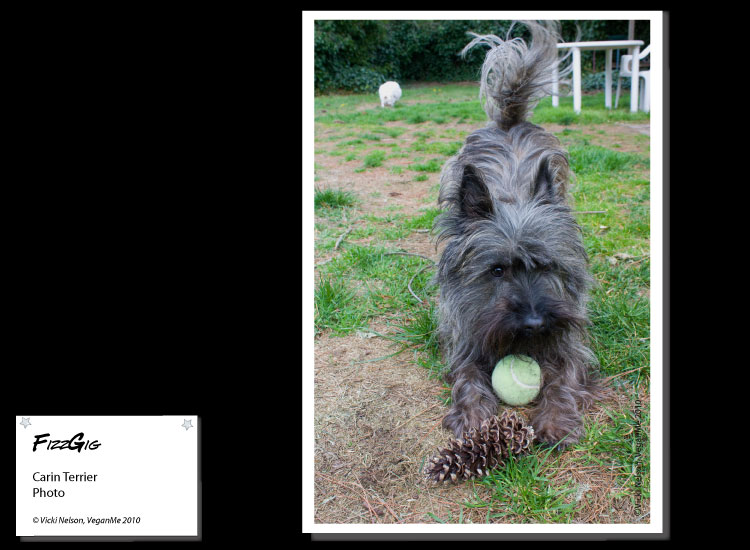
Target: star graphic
{"x": 25, "y": 422}
{"x": 187, "y": 424}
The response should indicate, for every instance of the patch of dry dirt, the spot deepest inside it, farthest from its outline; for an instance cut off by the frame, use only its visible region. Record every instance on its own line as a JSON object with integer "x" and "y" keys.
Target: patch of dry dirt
{"x": 375, "y": 422}
{"x": 618, "y": 137}
{"x": 380, "y": 189}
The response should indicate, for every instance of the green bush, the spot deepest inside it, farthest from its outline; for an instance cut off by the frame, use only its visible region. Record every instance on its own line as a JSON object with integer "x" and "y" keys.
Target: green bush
{"x": 430, "y": 50}
{"x": 358, "y": 56}
{"x": 595, "y": 81}
{"x": 343, "y": 52}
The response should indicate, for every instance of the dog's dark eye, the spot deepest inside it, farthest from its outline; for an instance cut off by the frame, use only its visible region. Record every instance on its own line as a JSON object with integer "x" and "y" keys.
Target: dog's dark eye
{"x": 497, "y": 271}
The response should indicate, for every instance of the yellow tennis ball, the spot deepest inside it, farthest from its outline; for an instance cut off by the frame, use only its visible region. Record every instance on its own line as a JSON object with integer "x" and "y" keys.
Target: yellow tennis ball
{"x": 516, "y": 379}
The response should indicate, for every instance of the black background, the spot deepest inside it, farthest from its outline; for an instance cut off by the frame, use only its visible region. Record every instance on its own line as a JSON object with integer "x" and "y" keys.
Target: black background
{"x": 152, "y": 252}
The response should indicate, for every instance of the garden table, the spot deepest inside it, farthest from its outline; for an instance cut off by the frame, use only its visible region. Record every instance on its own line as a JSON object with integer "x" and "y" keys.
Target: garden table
{"x": 607, "y": 46}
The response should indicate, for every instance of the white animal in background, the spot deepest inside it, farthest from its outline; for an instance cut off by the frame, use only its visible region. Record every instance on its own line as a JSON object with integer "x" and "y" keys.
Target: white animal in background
{"x": 390, "y": 93}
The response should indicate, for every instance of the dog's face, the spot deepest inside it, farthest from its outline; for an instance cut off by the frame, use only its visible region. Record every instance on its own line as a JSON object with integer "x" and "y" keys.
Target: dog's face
{"x": 515, "y": 268}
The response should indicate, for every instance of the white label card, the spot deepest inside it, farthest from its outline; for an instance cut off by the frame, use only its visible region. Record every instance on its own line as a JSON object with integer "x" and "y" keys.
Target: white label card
{"x": 107, "y": 476}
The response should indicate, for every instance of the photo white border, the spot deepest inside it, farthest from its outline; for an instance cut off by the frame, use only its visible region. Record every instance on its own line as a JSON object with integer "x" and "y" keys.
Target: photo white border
{"x": 656, "y": 276}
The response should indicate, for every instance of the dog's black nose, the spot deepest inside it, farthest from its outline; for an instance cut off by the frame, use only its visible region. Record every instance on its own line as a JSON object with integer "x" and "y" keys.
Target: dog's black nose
{"x": 533, "y": 323}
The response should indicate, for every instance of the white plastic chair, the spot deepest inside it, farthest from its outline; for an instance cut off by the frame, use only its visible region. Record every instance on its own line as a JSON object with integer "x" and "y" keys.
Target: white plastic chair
{"x": 626, "y": 71}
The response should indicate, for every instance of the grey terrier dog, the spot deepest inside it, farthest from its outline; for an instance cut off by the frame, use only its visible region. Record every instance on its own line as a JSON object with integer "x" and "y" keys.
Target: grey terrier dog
{"x": 514, "y": 275}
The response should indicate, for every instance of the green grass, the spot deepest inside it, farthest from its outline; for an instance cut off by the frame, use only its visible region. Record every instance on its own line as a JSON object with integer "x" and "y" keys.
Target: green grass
{"x": 418, "y": 334}
{"x": 617, "y": 242}
{"x": 592, "y": 111}
{"x": 432, "y": 165}
{"x": 468, "y": 111}
{"x": 423, "y": 221}
{"x": 350, "y": 142}
{"x": 621, "y": 442}
{"x": 333, "y": 198}
{"x": 523, "y": 491}
{"x": 335, "y": 305}
{"x": 460, "y": 104}
{"x": 374, "y": 159}
{"x": 424, "y": 134}
{"x": 390, "y": 132}
{"x": 437, "y": 147}
{"x": 620, "y": 333}
{"x": 590, "y": 159}
{"x": 380, "y": 278}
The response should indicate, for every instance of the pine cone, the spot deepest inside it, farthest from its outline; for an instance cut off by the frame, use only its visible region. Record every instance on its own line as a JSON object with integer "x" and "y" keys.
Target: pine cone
{"x": 481, "y": 449}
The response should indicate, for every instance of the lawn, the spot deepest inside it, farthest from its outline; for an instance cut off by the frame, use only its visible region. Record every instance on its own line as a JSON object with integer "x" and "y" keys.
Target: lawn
{"x": 379, "y": 396}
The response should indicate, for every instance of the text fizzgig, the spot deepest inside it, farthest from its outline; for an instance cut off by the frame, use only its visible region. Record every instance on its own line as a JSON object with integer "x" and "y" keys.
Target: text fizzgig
{"x": 76, "y": 444}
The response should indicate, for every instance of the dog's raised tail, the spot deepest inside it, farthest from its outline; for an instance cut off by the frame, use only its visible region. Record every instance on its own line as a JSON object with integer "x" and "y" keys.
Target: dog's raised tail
{"x": 515, "y": 76}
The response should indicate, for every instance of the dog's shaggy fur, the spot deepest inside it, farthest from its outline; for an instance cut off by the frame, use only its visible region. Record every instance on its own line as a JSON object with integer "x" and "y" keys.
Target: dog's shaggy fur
{"x": 514, "y": 273}
{"x": 390, "y": 93}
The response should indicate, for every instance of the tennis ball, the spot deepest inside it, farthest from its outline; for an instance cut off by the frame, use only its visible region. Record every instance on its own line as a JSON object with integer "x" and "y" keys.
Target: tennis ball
{"x": 516, "y": 379}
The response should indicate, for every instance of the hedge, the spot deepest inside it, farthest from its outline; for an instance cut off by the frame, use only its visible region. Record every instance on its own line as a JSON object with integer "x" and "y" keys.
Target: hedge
{"x": 358, "y": 56}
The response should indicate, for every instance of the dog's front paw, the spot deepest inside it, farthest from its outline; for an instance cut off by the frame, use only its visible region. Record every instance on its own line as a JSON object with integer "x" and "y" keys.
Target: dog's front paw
{"x": 460, "y": 420}
{"x": 562, "y": 434}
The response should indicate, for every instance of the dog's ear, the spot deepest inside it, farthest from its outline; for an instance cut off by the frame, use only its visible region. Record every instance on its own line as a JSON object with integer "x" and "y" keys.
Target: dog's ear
{"x": 473, "y": 196}
{"x": 549, "y": 185}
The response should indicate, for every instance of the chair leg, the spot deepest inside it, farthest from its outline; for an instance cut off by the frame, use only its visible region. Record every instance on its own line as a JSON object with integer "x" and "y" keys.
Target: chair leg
{"x": 617, "y": 95}
{"x": 640, "y": 98}
{"x": 646, "y": 95}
